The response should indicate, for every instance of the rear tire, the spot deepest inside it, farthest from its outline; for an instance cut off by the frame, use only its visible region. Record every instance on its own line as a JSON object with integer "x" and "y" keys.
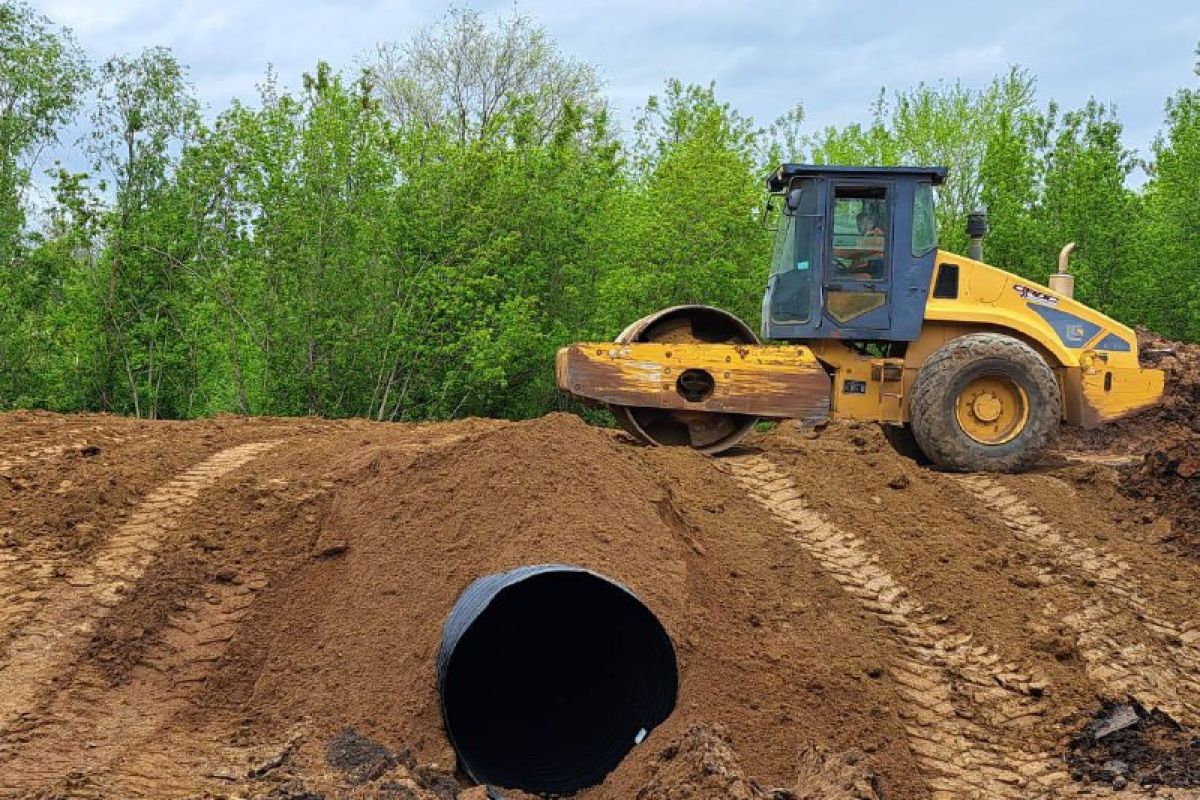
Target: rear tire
{"x": 985, "y": 402}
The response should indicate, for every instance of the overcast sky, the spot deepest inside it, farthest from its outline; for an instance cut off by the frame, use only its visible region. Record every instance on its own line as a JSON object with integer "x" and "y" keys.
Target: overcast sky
{"x": 832, "y": 55}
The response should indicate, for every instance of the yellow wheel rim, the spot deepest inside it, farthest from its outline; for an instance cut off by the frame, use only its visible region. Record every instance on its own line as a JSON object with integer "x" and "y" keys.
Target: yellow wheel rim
{"x": 992, "y": 409}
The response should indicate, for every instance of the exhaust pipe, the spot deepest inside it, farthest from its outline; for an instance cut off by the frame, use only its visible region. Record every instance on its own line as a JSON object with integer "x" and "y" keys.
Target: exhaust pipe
{"x": 977, "y": 228}
{"x": 1062, "y": 281}
{"x": 549, "y": 675}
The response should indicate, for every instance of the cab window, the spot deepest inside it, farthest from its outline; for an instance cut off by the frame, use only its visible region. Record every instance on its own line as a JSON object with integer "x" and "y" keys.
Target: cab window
{"x": 860, "y": 233}
{"x": 791, "y": 263}
{"x": 924, "y": 232}
{"x": 783, "y": 256}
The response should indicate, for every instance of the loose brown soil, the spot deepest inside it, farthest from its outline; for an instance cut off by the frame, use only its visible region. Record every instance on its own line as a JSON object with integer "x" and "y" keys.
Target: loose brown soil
{"x": 252, "y": 607}
{"x": 1163, "y": 444}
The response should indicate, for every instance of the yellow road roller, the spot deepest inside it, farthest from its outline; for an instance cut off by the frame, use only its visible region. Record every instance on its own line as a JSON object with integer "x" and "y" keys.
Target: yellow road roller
{"x": 965, "y": 365}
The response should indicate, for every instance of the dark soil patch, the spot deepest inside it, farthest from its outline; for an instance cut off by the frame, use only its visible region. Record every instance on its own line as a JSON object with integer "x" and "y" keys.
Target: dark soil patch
{"x": 360, "y": 757}
{"x": 1125, "y": 744}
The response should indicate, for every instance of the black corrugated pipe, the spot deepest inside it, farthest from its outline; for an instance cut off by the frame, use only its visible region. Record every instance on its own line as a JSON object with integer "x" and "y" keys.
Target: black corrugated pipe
{"x": 549, "y": 675}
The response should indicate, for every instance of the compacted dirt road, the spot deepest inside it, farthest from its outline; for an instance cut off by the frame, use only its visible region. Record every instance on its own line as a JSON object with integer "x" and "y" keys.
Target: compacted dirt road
{"x": 252, "y": 607}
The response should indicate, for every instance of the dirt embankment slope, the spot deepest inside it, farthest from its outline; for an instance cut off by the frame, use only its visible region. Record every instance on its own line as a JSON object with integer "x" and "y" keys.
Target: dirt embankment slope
{"x": 252, "y": 608}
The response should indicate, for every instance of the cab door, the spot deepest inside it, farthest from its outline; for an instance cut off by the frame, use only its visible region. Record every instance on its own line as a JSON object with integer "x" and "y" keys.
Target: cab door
{"x": 859, "y": 250}
{"x": 791, "y": 305}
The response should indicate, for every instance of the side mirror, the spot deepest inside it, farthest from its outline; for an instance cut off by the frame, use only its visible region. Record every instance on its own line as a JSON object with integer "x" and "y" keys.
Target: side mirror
{"x": 793, "y": 201}
{"x": 766, "y": 218}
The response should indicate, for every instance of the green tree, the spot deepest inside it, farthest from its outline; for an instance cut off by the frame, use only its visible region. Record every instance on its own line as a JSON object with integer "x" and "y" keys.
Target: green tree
{"x": 144, "y": 113}
{"x": 945, "y": 124}
{"x": 1170, "y": 242}
{"x": 1011, "y": 175}
{"x": 462, "y": 75}
{"x": 41, "y": 74}
{"x": 1084, "y": 199}
{"x": 686, "y": 230}
{"x": 415, "y": 241}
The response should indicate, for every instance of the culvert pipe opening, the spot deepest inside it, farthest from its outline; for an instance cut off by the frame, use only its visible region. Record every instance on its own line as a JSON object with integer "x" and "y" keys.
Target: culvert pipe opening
{"x": 549, "y": 675}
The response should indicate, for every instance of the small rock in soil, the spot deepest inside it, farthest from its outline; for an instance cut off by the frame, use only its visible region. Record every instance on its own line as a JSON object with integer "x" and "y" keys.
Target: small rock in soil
{"x": 334, "y": 547}
{"x": 273, "y": 761}
{"x": 293, "y": 790}
{"x": 443, "y": 786}
{"x": 1120, "y": 717}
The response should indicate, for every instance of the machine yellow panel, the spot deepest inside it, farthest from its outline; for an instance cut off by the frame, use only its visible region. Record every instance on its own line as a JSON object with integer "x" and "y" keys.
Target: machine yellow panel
{"x": 1096, "y": 355}
{"x": 1062, "y": 326}
{"x": 864, "y": 386}
{"x": 758, "y": 380}
{"x": 1109, "y": 393}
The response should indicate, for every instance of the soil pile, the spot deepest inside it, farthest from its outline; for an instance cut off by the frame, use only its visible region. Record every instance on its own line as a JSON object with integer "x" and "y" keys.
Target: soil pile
{"x": 1167, "y": 436}
{"x": 1169, "y": 480}
{"x": 253, "y": 608}
{"x": 1169, "y": 477}
{"x": 408, "y": 529}
{"x": 703, "y": 765}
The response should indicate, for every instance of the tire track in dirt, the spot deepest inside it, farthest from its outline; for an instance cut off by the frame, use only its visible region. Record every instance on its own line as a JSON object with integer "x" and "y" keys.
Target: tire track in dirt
{"x": 95, "y": 740}
{"x": 71, "y": 610}
{"x": 964, "y": 700}
{"x": 115, "y": 742}
{"x": 1103, "y": 459}
{"x": 23, "y": 584}
{"x": 1165, "y": 676}
{"x": 23, "y": 456}
{"x": 25, "y": 578}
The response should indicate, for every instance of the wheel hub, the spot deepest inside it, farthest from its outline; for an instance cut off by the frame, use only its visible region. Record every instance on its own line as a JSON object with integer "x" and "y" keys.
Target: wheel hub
{"x": 987, "y": 407}
{"x": 992, "y": 409}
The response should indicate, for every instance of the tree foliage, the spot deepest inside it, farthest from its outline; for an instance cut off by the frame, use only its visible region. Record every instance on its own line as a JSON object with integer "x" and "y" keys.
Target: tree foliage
{"x": 42, "y": 72}
{"x": 416, "y": 240}
{"x": 1168, "y": 271}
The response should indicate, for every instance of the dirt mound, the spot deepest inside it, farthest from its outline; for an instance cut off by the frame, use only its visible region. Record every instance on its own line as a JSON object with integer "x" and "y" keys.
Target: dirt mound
{"x": 1169, "y": 481}
{"x": 256, "y": 607}
{"x": 414, "y": 527}
{"x": 355, "y": 768}
{"x": 1125, "y": 744}
{"x": 703, "y": 765}
{"x": 1169, "y": 437}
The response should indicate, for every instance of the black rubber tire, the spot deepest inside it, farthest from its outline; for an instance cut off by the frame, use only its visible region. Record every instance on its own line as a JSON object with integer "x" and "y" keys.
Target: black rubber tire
{"x": 902, "y": 440}
{"x": 949, "y": 370}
